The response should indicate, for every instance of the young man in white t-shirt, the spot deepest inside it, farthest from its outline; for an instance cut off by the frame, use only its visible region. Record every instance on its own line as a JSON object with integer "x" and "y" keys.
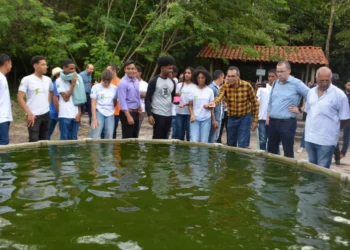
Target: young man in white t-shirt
{"x": 143, "y": 90}
{"x": 5, "y": 101}
{"x": 38, "y": 89}
{"x": 69, "y": 114}
{"x": 263, "y": 95}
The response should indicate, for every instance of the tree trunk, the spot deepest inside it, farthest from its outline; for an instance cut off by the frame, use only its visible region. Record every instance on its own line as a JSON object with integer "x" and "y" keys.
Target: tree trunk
{"x": 330, "y": 28}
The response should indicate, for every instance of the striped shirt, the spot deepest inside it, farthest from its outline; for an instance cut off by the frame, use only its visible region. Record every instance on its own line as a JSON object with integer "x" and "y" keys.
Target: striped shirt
{"x": 240, "y": 101}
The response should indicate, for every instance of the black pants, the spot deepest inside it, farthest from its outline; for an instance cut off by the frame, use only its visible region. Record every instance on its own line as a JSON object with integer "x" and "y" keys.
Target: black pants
{"x": 40, "y": 129}
{"x": 129, "y": 131}
{"x": 88, "y": 106}
{"x": 223, "y": 124}
{"x": 161, "y": 128}
{"x": 337, "y": 153}
{"x": 282, "y": 131}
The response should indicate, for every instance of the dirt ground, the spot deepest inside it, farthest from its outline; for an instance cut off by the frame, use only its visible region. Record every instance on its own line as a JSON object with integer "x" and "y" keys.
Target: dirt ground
{"x": 19, "y": 134}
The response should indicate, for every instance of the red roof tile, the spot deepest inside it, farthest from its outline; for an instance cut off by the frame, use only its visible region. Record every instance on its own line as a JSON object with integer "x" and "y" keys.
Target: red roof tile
{"x": 294, "y": 54}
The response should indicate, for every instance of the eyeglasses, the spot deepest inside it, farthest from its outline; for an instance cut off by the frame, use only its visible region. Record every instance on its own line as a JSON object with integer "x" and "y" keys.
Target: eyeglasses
{"x": 281, "y": 71}
{"x": 231, "y": 76}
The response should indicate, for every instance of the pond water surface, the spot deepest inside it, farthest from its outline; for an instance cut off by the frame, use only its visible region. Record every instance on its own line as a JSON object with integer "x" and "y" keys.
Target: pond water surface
{"x": 155, "y": 196}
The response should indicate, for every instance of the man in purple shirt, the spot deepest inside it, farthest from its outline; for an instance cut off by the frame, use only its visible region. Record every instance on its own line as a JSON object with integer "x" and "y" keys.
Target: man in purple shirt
{"x": 129, "y": 101}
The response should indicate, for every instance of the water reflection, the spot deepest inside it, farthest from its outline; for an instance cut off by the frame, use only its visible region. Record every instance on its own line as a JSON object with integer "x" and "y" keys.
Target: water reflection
{"x": 131, "y": 195}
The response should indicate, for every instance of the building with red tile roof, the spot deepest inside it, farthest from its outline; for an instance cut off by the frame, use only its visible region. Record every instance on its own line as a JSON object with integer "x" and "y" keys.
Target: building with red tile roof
{"x": 307, "y": 55}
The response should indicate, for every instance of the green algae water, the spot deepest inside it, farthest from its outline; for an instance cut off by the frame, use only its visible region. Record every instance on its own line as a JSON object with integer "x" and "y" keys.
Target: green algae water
{"x": 154, "y": 196}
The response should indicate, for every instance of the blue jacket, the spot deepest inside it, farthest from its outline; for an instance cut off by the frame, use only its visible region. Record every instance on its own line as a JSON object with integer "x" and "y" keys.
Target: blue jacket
{"x": 217, "y": 110}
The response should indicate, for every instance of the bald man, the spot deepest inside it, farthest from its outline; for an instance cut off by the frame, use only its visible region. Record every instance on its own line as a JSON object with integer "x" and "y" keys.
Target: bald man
{"x": 87, "y": 78}
{"x": 328, "y": 112}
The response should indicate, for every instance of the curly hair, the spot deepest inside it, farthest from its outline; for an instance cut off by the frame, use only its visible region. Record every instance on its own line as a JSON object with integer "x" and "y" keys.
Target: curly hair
{"x": 204, "y": 72}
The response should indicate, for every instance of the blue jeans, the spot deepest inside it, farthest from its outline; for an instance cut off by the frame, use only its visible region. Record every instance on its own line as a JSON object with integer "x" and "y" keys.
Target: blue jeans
{"x": 319, "y": 155}
{"x": 214, "y": 133}
{"x": 182, "y": 127}
{"x": 68, "y": 129}
{"x": 263, "y": 134}
{"x": 4, "y": 133}
{"x": 52, "y": 126}
{"x": 105, "y": 123}
{"x": 173, "y": 127}
{"x": 238, "y": 131}
{"x": 200, "y": 131}
{"x": 282, "y": 130}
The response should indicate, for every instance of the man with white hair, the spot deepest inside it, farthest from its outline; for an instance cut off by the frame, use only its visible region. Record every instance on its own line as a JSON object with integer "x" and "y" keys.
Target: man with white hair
{"x": 327, "y": 112}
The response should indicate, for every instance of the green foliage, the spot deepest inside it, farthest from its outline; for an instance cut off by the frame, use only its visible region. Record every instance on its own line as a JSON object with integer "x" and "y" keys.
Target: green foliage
{"x": 105, "y": 31}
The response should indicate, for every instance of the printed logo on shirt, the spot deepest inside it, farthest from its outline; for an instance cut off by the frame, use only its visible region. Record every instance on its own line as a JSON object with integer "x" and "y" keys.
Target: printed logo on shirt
{"x": 195, "y": 98}
{"x": 102, "y": 96}
{"x": 37, "y": 91}
{"x": 165, "y": 91}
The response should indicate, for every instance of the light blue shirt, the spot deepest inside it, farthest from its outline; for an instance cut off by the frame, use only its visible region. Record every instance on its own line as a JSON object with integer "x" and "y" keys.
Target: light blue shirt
{"x": 87, "y": 81}
{"x": 217, "y": 109}
{"x": 283, "y": 95}
{"x": 324, "y": 114}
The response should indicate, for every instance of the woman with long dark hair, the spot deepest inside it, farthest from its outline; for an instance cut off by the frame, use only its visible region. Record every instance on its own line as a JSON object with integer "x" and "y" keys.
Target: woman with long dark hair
{"x": 184, "y": 90}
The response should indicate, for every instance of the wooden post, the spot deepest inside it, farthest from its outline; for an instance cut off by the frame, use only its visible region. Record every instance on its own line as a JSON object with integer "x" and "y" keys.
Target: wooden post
{"x": 212, "y": 66}
{"x": 303, "y": 75}
{"x": 313, "y": 71}
{"x": 307, "y": 74}
{"x": 260, "y": 67}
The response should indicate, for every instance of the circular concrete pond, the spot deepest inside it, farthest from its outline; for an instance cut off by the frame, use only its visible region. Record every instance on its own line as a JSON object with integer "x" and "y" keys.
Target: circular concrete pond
{"x": 137, "y": 194}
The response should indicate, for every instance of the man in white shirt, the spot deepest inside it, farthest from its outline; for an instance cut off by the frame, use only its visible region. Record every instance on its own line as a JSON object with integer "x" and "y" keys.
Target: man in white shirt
{"x": 263, "y": 95}
{"x": 5, "y": 101}
{"x": 143, "y": 90}
{"x": 38, "y": 89}
{"x": 327, "y": 112}
{"x": 68, "y": 114}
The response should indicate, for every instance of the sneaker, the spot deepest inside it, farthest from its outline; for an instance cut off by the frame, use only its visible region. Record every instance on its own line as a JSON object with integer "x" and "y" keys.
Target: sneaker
{"x": 300, "y": 150}
{"x": 337, "y": 163}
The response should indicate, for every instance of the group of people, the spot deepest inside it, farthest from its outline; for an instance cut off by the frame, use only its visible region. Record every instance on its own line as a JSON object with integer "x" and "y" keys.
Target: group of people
{"x": 194, "y": 107}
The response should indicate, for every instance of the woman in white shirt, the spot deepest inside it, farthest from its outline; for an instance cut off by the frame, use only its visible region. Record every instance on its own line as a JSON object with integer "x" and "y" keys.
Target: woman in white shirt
{"x": 184, "y": 90}
{"x": 201, "y": 115}
{"x": 103, "y": 100}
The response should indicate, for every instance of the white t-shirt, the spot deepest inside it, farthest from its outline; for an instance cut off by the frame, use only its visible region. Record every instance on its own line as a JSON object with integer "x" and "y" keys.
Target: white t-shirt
{"x": 263, "y": 95}
{"x": 199, "y": 98}
{"x": 104, "y": 98}
{"x": 185, "y": 92}
{"x": 5, "y": 101}
{"x": 37, "y": 92}
{"x": 143, "y": 88}
{"x": 67, "y": 109}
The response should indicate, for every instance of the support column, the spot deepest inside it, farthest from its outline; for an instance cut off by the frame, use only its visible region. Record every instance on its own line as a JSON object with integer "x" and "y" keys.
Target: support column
{"x": 260, "y": 67}
{"x": 313, "y": 71}
{"x": 211, "y": 66}
{"x": 307, "y": 74}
